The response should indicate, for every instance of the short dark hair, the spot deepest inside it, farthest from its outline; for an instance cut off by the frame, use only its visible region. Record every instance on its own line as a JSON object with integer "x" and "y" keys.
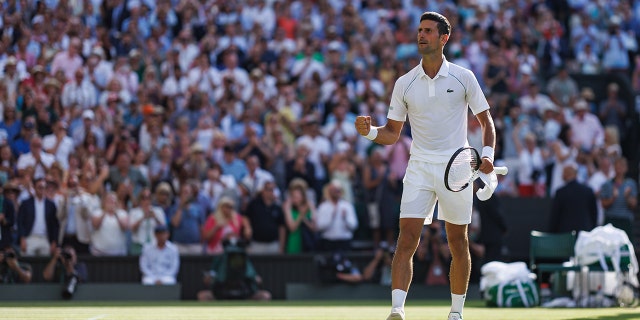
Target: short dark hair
{"x": 444, "y": 27}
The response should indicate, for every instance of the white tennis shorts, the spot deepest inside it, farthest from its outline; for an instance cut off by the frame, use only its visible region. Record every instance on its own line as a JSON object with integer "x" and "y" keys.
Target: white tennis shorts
{"x": 424, "y": 185}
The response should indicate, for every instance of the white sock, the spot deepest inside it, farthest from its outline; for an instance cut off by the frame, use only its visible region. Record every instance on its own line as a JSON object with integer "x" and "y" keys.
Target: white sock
{"x": 397, "y": 298}
{"x": 457, "y": 302}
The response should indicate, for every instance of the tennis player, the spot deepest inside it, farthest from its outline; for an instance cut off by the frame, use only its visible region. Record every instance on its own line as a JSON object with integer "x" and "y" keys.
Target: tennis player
{"x": 436, "y": 95}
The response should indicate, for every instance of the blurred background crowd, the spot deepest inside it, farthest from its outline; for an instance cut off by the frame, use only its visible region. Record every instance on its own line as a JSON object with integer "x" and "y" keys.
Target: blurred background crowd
{"x": 234, "y": 119}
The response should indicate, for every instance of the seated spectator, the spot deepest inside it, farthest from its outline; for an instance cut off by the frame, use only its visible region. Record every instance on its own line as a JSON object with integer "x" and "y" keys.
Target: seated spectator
{"x": 232, "y": 276}
{"x": 223, "y": 224}
{"x": 160, "y": 261}
{"x": 110, "y": 225}
{"x": 336, "y": 219}
{"x": 38, "y": 225}
{"x": 144, "y": 219}
{"x": 11, "y": 270}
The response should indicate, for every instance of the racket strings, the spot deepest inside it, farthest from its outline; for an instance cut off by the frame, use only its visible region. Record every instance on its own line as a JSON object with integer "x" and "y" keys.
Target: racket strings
{"x": 461, "y": 169}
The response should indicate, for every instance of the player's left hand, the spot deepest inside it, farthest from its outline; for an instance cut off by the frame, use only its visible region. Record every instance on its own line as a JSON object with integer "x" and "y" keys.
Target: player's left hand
{"x": 486, "y": 166}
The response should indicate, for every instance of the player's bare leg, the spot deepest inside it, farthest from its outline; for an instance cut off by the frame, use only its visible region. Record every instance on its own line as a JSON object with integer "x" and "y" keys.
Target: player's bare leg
{"x": 460, "y": 270}
{"x": 402, "y": 265}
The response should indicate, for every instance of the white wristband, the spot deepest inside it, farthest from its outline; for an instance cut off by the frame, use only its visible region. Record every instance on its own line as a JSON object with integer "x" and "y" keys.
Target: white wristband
{"x": 373, "y": 133}
{"x": 487, "y": 152}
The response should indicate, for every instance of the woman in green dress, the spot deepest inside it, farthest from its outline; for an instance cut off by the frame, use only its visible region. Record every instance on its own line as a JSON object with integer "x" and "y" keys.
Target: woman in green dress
{"x": 300, "y": 218}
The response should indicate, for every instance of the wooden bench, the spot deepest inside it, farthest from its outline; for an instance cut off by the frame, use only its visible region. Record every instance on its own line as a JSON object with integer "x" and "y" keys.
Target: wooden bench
{"x": 90, "y": 292}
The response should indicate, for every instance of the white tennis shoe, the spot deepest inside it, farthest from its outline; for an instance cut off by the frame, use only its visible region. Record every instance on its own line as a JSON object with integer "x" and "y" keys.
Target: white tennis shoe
{"x": 396, "y": 314}
{"x": 454, "y": 316}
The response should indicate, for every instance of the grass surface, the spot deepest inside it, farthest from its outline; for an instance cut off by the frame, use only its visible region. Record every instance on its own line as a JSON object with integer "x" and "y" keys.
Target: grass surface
{"x": 283, "y": 310}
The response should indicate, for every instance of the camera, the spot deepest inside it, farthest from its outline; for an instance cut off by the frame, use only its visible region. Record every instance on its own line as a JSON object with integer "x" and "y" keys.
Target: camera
{"x": 10, "y": 255}
{"x": 65, "y": 255}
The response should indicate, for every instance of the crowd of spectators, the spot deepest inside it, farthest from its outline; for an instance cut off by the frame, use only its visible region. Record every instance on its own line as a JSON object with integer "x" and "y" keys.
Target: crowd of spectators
{"x": 222, "y": 119}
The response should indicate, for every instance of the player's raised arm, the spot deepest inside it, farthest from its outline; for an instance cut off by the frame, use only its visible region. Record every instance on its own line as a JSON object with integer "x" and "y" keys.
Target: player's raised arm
{"x": 387, "y": 134}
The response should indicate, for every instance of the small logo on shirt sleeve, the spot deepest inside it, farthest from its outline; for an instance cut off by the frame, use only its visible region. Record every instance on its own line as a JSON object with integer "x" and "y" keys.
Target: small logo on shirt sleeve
{"x": 449, "y": 90}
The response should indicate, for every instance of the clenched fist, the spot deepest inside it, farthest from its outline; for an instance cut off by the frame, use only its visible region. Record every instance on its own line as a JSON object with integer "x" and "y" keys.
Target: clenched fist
{"x": 363, "y": 125}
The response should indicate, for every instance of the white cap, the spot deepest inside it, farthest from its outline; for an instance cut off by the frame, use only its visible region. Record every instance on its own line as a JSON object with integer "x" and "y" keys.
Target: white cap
{"x": 334, "y": 46}
{"x": 88, "y": 114}
{"x": 37, "y": 19}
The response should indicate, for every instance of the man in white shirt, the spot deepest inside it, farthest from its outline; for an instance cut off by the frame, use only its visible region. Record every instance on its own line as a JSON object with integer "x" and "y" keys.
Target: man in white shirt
{"x": 336, "y": 219}
{"x": 586, "y": 127}
{"x": 160, "y": 262}
{"x": 59, "y": 143}
{"x": 144, "y": 220}
{"x": 79, "y": 94}
{"x": 37, "y": 158}
{"x": 436, "y": 96}
{"x": 38, "y": 224}
{"x": 534, "y": 102}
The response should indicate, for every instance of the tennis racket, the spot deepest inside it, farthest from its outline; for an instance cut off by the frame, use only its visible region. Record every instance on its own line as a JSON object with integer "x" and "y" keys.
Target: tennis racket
{"x": 462, "y": 169}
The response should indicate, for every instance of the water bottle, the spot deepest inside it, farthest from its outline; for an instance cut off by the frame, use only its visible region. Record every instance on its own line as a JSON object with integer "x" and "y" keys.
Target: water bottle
{"x": 545, "y": 293}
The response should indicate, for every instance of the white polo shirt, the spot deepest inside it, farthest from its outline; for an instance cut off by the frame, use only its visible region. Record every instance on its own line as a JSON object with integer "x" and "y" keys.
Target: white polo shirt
{"x": 437, "y": 109}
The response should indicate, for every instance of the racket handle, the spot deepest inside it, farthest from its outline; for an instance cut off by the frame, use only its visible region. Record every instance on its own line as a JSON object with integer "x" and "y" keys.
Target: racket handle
{"x": 501, "y": 170}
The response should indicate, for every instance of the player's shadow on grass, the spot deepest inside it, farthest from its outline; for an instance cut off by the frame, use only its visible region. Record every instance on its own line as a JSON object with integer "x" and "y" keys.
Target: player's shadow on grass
{"x": 610, "y": 317}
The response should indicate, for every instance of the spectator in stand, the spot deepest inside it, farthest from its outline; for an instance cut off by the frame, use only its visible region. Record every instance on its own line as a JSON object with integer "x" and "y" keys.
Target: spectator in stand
{"x": 564, "y": 153}
{"x": 38, "y": 225}
{"x": 223, "y": 224}
{"x": 587, "y": 131}
{"x": 574, "y": 205}
{"x": 74, "y": 215}
{"x": 79, "y": 94}
{"x": 109, "y": 228}
{"x": 187, "y": 217}
{"x": 59, "y": 143}
{"x": 531, "y": 173}
{"x": 144, "y": 220}
{"x": 300, "y": 215}
{"x": 123, "y": 172}
{"x": 563, "y": 89}
{"x": 319, "y": 150}
{"x": 267, "y": 221}
{"x": 534, "y": 102}
{"x": 36, "y": 159}
{"x": 160, "y": 259}
{"x": 613, "y": 110}
{"x": 603, "y": 173}
{"x": 231, "y": 165}
{"x": 68, "y": 61}
{"x": 620, "y": 198}
{"x": 80, "y": 131}
{"x": 336, "y": 219}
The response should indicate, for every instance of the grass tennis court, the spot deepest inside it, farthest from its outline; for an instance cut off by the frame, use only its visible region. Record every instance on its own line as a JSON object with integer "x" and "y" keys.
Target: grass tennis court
{"x": 283, "y": 310}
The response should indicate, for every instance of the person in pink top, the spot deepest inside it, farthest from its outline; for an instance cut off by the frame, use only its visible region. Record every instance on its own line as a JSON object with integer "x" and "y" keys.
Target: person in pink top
{"x": 225, "y": 223}
{"x": 68, "y": 61}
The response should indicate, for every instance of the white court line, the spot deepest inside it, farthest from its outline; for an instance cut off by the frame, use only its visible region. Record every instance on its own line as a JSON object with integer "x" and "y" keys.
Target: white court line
{"x": 98, "y": 317}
